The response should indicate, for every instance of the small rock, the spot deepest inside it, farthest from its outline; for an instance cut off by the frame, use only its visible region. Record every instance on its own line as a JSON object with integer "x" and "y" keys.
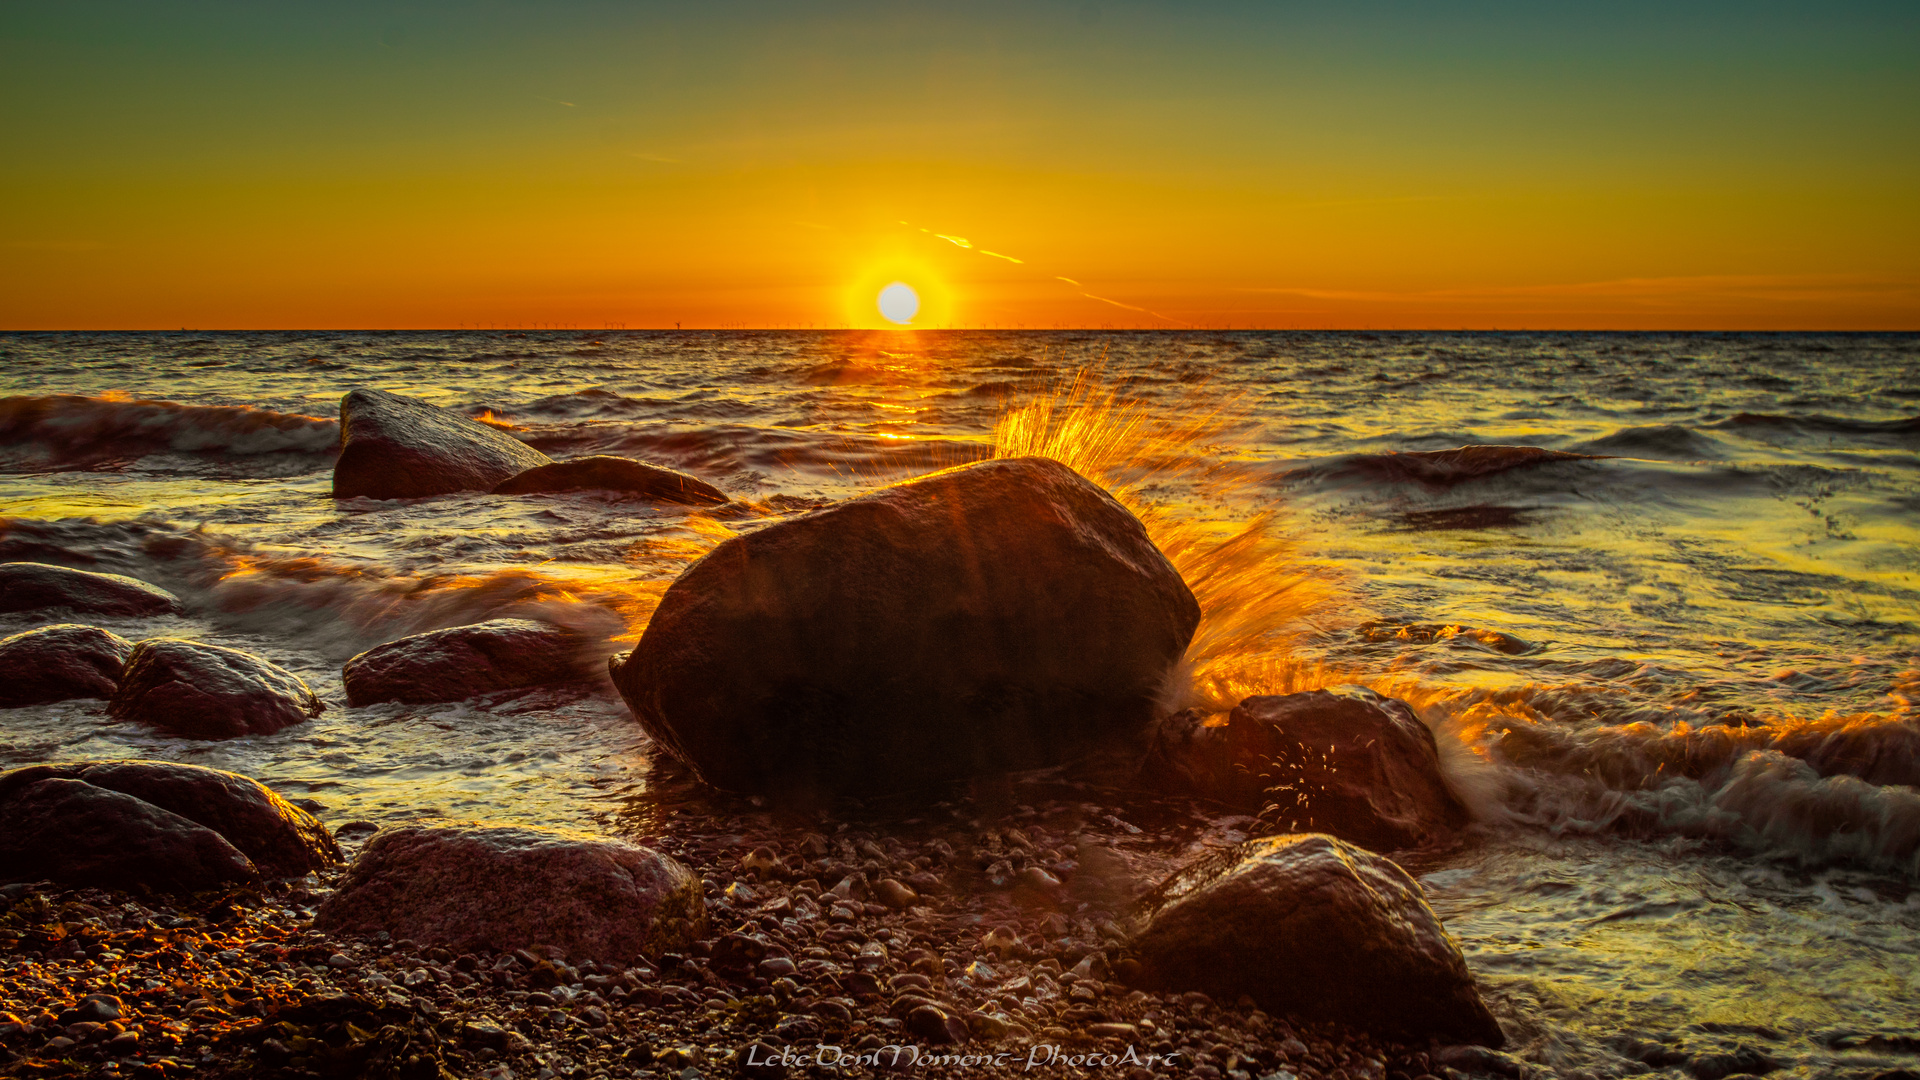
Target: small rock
{"x": 1312, "y": 926}
{"x": 761, "y": 861}
{"x": 474, "y": 888}
{"x": 31, "y": 586}
{"x": 70, "y": 831}
{"x": 100, "y": 1008}
{"x": 1346, "y": 761}
{"x": 281, "y": 839}
{"x": 463, "y": 661}
{"x": 54, "y": 663}
{"x": 894, "y": 894}
{"x": 1037, "y": 880}
{"x": 932, "y": 1023}
{"x": 208, "y": 691}
{"x": 395, "y": 447}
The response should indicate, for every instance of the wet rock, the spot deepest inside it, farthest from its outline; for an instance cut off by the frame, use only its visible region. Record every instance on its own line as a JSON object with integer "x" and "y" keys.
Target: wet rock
{"x": 895, "y": 894}
{"x": 31, "y": 586}
{"x": 605, "y": 473}
{"x": 1346, "y": 761}
{"x": 457, "y": 663}
{"x": 54, "y": 663}
{"x": 72, "y": 832}
{"x": 1312, "y": 926}
{"x": 473, "y": 888}
{"x": 394, "y": 447}
{"x": 933, "y": 1024}
{"x": 206, "y": 691}
{"x": 281, "y": 839}
{"x": 1002, "y": 615}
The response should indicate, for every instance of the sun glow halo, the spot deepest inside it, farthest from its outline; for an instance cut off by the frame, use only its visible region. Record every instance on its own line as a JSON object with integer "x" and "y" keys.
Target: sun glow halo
{"x": 899, "y": 303}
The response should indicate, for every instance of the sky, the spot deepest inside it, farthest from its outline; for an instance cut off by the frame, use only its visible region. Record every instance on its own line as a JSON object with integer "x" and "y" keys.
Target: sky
{"x": 1352, "y": 164}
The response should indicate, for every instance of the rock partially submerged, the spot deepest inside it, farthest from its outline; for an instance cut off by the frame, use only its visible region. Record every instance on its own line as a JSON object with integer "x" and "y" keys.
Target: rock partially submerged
{"x": 503, "y": 888}
{"x": 209, "y": 691}
{"x": 607, "y": 473}
{"x": 395, "y": 447}
{"x": 31, "y": 586}
{"x": 1346, "y": 761}
{"x": 178, "y": 828}
{"x": 459, "y": 662}
{"x": 1311, "y": 926}
{"x": 1003, "y": 615}
{"x": 54, "y": 663}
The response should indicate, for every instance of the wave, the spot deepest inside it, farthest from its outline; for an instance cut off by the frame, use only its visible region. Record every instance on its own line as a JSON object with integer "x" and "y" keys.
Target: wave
{"x": 1661, "y": 442}
{"x": 338, "y": 608}
{"x": 1902, "y": 432}
{"x": 69, "y": 429}
{"x": 1447, "y": 468}
{"x": 737, "y": 448}
{"x": 1840, "y": 789}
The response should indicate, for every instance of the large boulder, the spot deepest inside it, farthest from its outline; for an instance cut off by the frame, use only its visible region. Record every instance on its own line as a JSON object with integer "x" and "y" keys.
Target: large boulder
{"x": 496, "y": 888}
{"x": 394, "y": 447}
{"x": 459, "y": 662}
{"x": 32, "y": 586}
{"x": 1346, "y": 761}
{"x": 614, "y": 474}
{"x": 206, "y": 691}
{"x": 54, "y": 663}
{"x": 281, "y": 839}
{"x": 1003, "y": 615}
{"x": 73, "y": 832}
{"x": 1310, "y": 926}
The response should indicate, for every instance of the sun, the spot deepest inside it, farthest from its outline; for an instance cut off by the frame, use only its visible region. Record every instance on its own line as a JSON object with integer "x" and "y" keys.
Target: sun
{"x": 899, "y": 303}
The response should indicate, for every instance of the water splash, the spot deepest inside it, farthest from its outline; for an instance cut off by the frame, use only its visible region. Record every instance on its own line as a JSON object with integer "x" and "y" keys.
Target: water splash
{"x": 1259, "y": 596}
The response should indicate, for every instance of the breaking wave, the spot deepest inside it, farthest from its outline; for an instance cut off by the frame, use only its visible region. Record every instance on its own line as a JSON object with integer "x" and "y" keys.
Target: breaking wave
{"x": 72, "y": 430}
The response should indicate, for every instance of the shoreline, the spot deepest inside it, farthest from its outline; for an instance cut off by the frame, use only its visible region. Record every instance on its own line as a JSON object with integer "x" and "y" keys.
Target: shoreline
{"x": 800, "y": 976}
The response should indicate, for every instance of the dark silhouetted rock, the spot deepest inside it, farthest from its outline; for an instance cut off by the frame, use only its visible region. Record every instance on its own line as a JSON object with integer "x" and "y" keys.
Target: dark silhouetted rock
{"x": 73, "y": 832}
{"x": 457, "y": 663}
{"x": 1003, "y": 615}
{"x": 54, "y": 663}
{"x": 209, "y": 691}
{"x": 1345, "y": 761}
{"x": 394, "y": 447}
{"x": 614, "y": 474}
{"x": 281, "y": 839}
{"x": 473, "y": 888}
{"x": 31, "y": 586}
{"x": 1310, "y": 926}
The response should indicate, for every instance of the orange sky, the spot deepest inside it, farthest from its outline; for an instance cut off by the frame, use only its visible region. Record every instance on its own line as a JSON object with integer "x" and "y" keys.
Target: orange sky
{"x": 1275, "y": 165}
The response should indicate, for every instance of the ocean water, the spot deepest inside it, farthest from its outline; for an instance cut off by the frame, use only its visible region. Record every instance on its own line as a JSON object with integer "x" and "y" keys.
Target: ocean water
{"x": 1665, "y": 621}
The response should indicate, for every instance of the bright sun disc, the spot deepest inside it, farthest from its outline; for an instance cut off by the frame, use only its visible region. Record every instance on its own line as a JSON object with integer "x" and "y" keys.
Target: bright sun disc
{"x": 899, "y": 303}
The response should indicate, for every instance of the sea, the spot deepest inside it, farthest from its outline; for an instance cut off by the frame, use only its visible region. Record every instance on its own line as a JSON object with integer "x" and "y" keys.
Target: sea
{"x": 1662, "y": 613}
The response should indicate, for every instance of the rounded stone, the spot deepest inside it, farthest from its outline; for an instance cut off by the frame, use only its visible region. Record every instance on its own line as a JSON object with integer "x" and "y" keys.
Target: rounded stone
{"x": 54, "y": 663}
{"x": 496, "y": 888}
{"x": 206, "y": 691}
{"x": 1315, "y": 927}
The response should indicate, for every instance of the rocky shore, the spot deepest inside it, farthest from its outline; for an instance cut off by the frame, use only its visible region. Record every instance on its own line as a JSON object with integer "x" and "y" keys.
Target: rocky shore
{"x": 975, "y": 939}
